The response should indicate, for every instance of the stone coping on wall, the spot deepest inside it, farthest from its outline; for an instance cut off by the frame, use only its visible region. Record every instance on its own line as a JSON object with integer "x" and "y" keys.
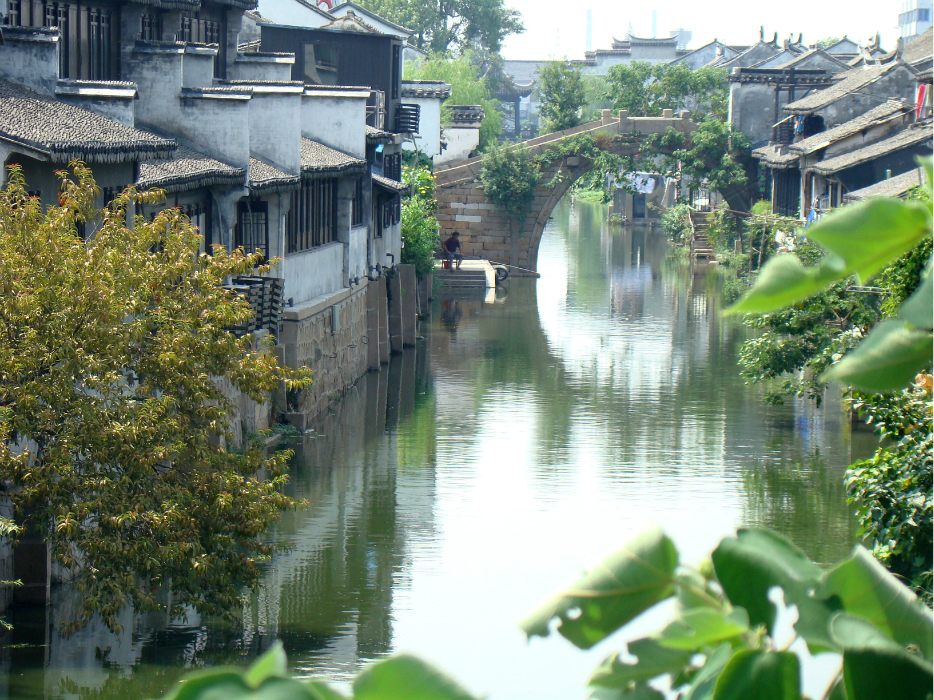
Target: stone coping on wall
{"x": 321, "y": 303}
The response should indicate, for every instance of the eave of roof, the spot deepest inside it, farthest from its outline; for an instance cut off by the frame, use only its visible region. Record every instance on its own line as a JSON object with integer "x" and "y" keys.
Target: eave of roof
{"x": 390, "y": 185}
{"x": 318, "y": 159}
{"x": 63, "y": 132}
{"x": 776, "y": 157}
{"x": 263, "y": 177}
{"x": 896, "y": 186}
{"x": 374, "y": 135}
{"x": 426, "y": 88}
{"x": 188, "y": 170}
{"x": 903, "y": 139}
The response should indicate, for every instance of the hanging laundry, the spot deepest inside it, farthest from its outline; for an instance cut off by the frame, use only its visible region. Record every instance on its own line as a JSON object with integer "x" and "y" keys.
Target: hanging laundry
{"x": 644, "y": 183}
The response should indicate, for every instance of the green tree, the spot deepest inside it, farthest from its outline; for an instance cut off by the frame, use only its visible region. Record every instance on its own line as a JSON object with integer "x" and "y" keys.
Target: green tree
{"x": 714, "y": 151}
{"x": 112, "y": 415}
{"x": 468, "y": 87}
{"x": 646, "y": 89}
{"x": 562, "y": 95}
{"x": 452, "y": 25}
{"x": 829, "y": 41}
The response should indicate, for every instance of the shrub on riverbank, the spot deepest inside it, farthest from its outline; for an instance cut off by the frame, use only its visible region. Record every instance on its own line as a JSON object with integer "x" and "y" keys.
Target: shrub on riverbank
{"x": 419, "y": 225}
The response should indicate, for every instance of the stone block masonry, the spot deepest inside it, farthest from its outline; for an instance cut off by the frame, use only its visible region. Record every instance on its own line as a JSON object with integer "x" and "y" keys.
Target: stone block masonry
{"x": 333, "y": 343}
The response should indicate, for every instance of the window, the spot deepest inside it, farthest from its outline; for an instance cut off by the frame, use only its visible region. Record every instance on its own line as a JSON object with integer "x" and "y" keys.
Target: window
{"x": 312, "y": 217}
{"x": 321, "y": 63}
{"x": 89, "y": 35}
{"x": 204, "y": 27}
{"x": 252, "y": 231}
{"x": 392, "y": 166}
{"x": 924, "y": 14}
{"x": 199, "y": 213}
{"x": 356, "y": 213}
{"x": 396, "y": 64}
{"x": 150, "y": 27}
{"x": 387, "y": 211}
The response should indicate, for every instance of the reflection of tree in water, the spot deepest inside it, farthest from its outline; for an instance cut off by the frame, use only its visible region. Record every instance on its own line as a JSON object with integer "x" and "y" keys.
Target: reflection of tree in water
{"x": 805, "y": 501}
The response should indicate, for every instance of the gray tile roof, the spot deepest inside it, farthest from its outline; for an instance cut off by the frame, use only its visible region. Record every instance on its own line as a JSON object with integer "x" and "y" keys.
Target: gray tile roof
{"x": 188, "y": 170}
{"x": 318, "y": 158}
{"x": 523, "y": 72}
{"x": 893, "y": 187}
{"x": 391, "y": 185}
{"x": 851, "y": 81}
{"x": 374, "y": 135}
{"x": 776, "y": 156}
{"x": 874, "y": 116}
{"x": 426, "y": 88}
{"x": 919, "y": 48}
{"x": 265, "y": 178}
{"x": 903, "y": 139}
{"x": 63, "y": 132}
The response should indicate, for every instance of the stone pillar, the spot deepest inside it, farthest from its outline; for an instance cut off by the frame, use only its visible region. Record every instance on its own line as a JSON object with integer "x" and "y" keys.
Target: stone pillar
{"x": 395, "y": 311}
{"x": 383, "y": 339}
{"x": 424, "y": 294}
{"x": 372, "y": 325}
{"x": 409, "y": 293}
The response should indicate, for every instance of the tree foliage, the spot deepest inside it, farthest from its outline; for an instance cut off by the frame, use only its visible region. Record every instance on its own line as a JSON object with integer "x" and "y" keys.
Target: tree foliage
{"x": 112, "y": 354}
{"x": 647, "y": 89}
{"x": 562, "y": 95}
{"x": 510, "y": 176}
{"x": 419, "y": 225}
{"x": 892, "y": 489}
{"x": 452, "y": 25}
{"x": 468, "y": 87}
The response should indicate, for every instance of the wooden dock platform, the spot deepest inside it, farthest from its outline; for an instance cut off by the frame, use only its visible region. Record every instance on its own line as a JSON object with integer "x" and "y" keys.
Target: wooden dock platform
{"x": 473, "y": 274}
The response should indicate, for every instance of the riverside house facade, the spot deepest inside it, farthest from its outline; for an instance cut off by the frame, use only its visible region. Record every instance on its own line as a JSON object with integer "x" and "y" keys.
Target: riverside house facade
{"x": 288, "y": 145}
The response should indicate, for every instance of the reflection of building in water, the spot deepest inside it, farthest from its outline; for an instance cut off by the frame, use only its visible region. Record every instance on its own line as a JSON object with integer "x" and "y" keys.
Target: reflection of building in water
{"x": 330, "y": 597}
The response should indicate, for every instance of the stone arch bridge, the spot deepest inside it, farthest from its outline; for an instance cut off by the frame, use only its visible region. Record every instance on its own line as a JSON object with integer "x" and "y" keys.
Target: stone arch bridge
{"x": 490, "y": 233}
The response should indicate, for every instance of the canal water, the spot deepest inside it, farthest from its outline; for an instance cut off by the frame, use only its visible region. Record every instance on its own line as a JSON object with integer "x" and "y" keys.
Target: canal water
{"x": 533, "y": 431}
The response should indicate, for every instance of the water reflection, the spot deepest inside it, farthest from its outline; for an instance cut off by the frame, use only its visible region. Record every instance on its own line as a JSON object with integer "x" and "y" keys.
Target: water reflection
{"x": 530, "y": 433}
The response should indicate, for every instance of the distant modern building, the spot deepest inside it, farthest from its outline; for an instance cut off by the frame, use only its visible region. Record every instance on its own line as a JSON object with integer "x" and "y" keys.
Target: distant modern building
{"x": 915, "y": 17}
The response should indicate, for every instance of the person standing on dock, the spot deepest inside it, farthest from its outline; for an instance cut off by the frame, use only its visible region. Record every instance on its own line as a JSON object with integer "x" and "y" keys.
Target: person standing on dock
{"x": 453, "y": 245}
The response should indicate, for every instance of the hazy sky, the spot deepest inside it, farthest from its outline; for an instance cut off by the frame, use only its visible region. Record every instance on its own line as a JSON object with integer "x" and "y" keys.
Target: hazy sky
{"x": 555, "y": 29}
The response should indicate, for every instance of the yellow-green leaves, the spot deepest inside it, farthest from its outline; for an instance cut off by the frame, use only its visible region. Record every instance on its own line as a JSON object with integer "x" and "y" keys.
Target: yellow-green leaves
{"x": 614, "y": 592}
{"x": 113, "y": 353}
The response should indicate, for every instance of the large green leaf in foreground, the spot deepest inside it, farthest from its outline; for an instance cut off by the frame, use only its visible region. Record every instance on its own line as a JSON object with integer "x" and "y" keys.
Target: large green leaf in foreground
{"x": 865, "y": 588}
{"x": 751, "y": 564}
{"x": 406, "y": 677}
{"x": 887, "y": 360}
{"x": 612, "y": 593}
{"x": 877, "y": 668}
{"x": 760, "y": 675}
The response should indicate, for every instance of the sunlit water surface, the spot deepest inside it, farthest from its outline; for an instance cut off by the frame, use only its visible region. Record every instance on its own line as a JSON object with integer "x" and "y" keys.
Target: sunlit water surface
{"x": 526, "y": 437}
